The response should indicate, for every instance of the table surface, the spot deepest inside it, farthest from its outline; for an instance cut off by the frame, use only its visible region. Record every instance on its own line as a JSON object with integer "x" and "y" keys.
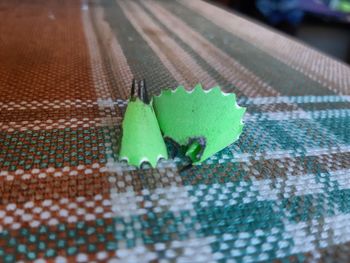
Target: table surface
{"x": 281, "y": 192}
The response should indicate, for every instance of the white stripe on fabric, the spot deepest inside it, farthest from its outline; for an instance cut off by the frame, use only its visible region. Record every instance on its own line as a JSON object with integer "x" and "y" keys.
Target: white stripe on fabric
{"x": 314, "y": 234}
{"x": 294, "y": 99}
{"x": 297, "y": 115}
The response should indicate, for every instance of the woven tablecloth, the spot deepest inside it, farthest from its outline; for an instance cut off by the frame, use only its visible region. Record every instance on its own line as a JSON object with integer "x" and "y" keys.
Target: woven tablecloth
{"x": 281, "y": 192}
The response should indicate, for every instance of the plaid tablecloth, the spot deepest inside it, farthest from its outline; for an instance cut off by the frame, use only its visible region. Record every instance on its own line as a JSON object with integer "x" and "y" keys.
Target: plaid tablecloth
{"x": 281, "y": 192}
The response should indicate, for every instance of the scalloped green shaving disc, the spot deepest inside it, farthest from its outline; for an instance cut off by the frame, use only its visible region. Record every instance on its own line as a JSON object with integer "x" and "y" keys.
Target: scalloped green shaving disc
{"x": 205, "y": 121}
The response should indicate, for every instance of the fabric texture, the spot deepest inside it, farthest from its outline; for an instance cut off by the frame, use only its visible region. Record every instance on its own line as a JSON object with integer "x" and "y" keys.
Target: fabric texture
{"x": 281, "y": 192}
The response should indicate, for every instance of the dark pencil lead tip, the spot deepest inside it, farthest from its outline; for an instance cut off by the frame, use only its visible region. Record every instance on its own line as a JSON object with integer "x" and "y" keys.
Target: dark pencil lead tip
{"x": 142, "y": 91}
{"x": 133, "y": 89}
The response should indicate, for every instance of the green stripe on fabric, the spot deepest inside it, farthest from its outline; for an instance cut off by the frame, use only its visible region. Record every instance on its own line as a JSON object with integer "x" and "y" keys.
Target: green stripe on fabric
{"x": 326, "y": 106}
{"x": 235, "y": 172}
{"x": 51, "y": 148}
{"x": 280, "y": 135}
{"x": 343, "y": 198}
{"x": 244, "y": 227}
{"x": 253, "y": 108}
{"x": 279, "y": 75}
{"x": 294, "y": 134}
{"x": 143, "y": 61}
{"x": 218, "y": 220}
{"x": 340, "y": 127}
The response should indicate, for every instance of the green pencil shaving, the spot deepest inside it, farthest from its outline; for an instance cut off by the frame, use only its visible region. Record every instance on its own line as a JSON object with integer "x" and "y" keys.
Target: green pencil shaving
{"x": 142, "y": 140}
{"x": 202, "y": 122}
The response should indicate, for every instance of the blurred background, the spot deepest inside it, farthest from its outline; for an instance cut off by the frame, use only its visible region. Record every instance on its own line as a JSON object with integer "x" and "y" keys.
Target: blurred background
{"x": 323, "y": 24}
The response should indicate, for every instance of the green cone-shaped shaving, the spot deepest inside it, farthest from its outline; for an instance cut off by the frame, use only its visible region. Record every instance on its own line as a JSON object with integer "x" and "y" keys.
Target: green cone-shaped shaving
{"x": 206, "y": 121}
{"x": 142, "y": 140}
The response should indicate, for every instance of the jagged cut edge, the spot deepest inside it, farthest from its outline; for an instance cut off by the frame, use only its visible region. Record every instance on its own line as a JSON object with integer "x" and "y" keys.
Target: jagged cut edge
{"x": 207, "y": 91}
{"x": 143, "y": 160}
{"x": 225, "y": 94}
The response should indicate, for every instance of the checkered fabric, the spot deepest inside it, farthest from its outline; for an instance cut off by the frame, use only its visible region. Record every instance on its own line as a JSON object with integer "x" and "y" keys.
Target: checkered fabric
{"x": 282, "y": 192}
